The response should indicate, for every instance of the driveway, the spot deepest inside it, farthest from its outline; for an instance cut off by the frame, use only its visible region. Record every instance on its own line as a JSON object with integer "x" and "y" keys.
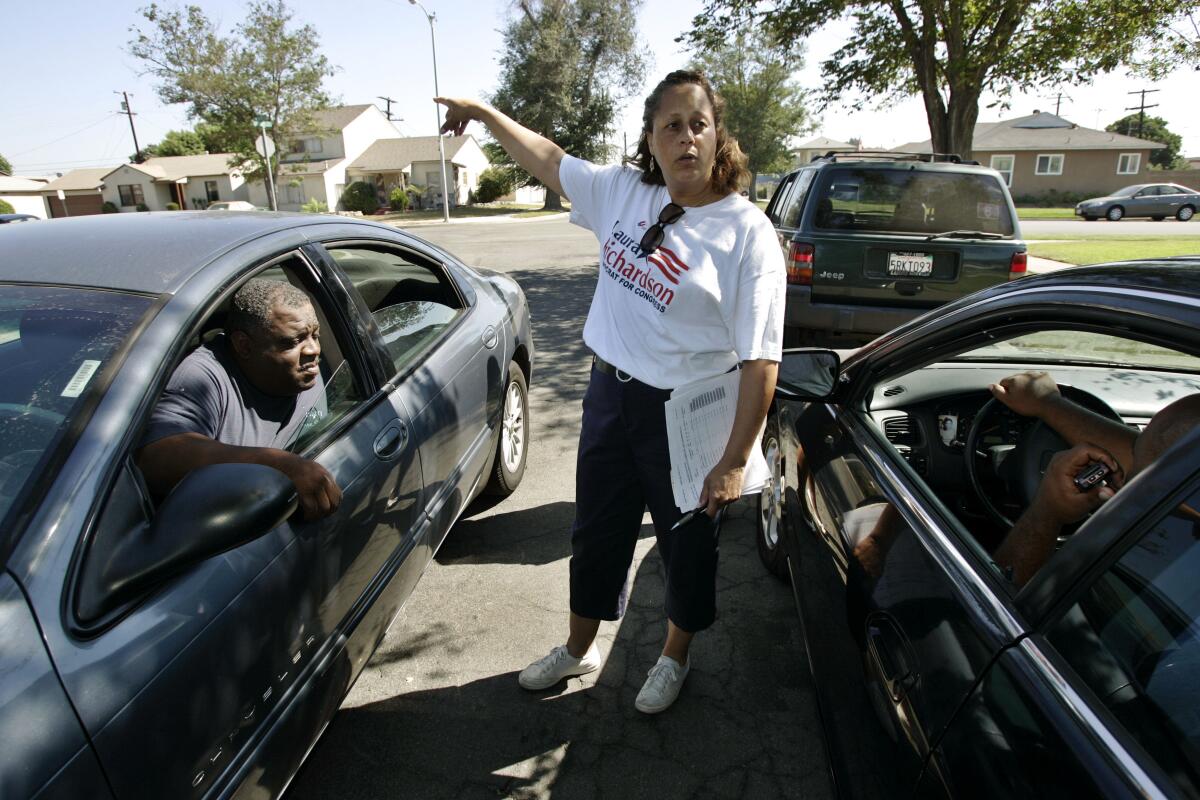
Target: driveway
{"x": 438, "y": 714}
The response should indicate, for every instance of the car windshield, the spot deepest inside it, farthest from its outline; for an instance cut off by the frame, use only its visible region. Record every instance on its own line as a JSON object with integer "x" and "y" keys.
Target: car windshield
{"x": 1063, "y": 347}
{"x": 54, "y": 344}
{"x": 912, "y": 201}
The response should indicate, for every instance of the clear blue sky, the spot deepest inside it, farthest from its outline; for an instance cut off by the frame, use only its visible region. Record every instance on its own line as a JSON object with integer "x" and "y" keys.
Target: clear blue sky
{"x": 65, "y": 58}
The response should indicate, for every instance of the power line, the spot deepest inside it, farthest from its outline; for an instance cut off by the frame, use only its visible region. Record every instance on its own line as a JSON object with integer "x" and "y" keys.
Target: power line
{"x": 68, "y": 136}
{"x": 1141, "y": 109}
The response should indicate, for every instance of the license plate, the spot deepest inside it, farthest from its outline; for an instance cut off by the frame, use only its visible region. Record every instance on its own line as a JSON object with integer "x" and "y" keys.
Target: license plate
{"x": 910, "y": 265}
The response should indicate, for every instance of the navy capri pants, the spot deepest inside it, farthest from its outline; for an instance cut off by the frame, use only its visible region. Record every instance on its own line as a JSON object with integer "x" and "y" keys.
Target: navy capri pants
{"x": 624, "y": 466}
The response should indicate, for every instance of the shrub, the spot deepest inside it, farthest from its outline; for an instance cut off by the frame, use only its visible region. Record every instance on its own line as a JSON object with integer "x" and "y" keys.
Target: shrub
{"x": 398, "y": 199}
{"x": 494, "y": 183}
{"x": 314, "y": 206}
{"x": 172, "y": 206}
{"x": 360, "y": 196}
{"x": 110, "y": 207}
{"x": 6, "y": 207}
{"x": 143, "y": 207}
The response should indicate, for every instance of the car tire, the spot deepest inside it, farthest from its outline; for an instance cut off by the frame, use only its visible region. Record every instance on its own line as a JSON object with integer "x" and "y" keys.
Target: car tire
{"x": 1114, "y": 214}
{"x": 1185, "y": 213}
{"x": 771, "y": 505}
{"x": 512, "y": 445}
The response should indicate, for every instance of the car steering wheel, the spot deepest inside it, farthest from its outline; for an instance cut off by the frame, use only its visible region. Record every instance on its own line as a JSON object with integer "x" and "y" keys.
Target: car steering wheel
{"x": 1023, "y": 467}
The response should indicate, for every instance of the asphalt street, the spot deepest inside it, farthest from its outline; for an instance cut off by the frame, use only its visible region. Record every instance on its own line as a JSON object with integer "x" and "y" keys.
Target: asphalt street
{"x": 438, "y": 713}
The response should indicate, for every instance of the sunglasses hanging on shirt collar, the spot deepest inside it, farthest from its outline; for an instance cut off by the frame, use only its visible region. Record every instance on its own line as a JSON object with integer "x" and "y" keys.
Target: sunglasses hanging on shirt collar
{"x": 654, "y": 234}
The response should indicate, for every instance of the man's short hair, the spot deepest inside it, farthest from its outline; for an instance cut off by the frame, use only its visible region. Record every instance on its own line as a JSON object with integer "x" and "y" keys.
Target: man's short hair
{"x": 1169, "y": 425}
{"x": 254, "y": 304}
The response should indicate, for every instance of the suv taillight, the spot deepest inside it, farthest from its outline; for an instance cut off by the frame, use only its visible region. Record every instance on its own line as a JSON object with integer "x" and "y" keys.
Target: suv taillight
{"x": 800, "y": 263}
{"x": 1019, "y": 262}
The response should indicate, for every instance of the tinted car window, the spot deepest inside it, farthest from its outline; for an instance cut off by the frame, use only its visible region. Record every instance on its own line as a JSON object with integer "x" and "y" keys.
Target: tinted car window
{"x": 54, "y": 343}
{"x": 1134, "y": 638}
{"x": 410, "y": 301}
{"x": 795, "y": 203}
{"x": 779, "y": 199}
{"x": 911, "y": 201}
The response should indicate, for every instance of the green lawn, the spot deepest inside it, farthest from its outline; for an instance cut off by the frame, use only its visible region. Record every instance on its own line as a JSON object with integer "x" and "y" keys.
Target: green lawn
{"x": 1033, "y": 212}
{"x": 462, "y": 212}
{"x": 1115, "y": 248}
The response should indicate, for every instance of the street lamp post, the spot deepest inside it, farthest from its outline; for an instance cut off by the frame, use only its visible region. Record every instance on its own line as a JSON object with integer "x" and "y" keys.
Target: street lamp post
{"x": 437, "y": 93}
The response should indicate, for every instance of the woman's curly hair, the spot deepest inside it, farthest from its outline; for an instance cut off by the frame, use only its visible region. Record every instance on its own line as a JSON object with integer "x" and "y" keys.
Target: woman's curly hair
{"x": 729, "y": 167}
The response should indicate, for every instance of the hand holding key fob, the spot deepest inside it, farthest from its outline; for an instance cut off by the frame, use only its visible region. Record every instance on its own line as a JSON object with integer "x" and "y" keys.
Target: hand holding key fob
{"x": 1092, "y": 476}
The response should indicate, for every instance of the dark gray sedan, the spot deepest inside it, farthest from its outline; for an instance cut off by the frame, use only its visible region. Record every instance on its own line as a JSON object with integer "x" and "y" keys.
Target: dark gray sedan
{"x": 1154, "y": 200}
{"x": 198, "y": 647}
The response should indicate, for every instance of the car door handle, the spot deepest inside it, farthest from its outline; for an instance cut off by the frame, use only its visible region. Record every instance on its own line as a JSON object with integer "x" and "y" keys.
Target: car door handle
{"x": 391, "y": 440}
{"x": 893, "y": 658}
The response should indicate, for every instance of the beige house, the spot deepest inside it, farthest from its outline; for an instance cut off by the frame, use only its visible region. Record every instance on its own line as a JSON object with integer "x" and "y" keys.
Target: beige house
{"x": 79, "y": 190}
{"x": 24, "y": 195}
{"x": 1043, "y": 152}
{"x": 313, "y": 166}
{"x": 819, "y": 146}
{"x": 389, "y": 163}
{"x": 190, "y": 182}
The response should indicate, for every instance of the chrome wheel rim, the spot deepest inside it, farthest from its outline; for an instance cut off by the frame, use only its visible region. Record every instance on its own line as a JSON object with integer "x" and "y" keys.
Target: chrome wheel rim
{"x": 512, "y": 428}
{"x": 1185, "y": 214}
{"x": 770, "y": 502}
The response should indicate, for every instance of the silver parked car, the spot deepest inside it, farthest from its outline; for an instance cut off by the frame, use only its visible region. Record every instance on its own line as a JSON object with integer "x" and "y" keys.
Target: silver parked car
{"x": 1154, "y": 200}
{"x": 197, "y": 647}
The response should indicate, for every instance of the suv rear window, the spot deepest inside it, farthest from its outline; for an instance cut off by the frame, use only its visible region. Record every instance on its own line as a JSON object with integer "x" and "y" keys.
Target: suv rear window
{"x": 911, "y": 201}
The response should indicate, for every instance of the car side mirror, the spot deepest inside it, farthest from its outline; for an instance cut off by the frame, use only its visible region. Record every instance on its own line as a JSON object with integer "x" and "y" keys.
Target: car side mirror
{"x": 808, "y": 374}
{"x": 213, "y": 509}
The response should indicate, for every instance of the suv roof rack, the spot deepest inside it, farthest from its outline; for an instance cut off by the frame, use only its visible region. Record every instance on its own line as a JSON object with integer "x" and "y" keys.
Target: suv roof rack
{"x": 890, "y": 155}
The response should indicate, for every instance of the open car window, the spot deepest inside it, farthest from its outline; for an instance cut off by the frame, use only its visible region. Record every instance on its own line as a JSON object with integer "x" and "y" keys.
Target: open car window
{"x": 1134, "y": 639}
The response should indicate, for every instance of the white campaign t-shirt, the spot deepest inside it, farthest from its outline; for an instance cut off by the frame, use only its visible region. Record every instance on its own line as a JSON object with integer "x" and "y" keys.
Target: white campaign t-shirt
{"x": 710, "y": 297}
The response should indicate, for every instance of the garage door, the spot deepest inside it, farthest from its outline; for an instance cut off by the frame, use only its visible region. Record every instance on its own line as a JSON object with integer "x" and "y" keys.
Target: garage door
{"x": 78, "y": 204}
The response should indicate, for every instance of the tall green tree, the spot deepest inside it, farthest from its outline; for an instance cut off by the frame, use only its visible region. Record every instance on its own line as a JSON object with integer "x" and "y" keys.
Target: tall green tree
{"x": 1155, "y": 129}
{"x": 950, "y": 52}
{"x": 267, "y": 68}
{"x": 5, "y": 167}
{"x": 566, "y": 66}
{"x": 764, "y": 106}
{"x": 1177, "y": 47}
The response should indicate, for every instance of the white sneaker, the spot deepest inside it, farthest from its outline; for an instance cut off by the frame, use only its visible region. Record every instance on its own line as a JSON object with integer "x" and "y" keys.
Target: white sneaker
{"x": 558, "y": 664}
{"x": 662, "y": 685}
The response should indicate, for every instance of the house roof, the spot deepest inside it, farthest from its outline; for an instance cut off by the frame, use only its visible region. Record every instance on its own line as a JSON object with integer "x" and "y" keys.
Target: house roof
{"x": 825, "y": 143}
{"x": 172, "y": 168}
{"x": 338, "y": 117}
{"x": 301, "y": 168}
{"x": 9, "y": 185}
{"x": 78, "y": 180}
{"x": 397, "y": 154}
{"x": 1042, "y": 131}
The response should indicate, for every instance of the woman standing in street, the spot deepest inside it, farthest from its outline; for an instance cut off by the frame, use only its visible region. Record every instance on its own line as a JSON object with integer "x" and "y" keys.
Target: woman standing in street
{"x": 691, "y": 285}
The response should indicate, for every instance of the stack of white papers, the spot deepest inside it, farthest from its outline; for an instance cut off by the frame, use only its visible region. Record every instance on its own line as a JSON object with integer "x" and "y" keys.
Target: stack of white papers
{"x": 699, "y": 420}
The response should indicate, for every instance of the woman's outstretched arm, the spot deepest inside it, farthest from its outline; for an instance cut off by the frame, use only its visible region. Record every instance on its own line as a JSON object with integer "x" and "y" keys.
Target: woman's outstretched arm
{"x": 536, "y": 154}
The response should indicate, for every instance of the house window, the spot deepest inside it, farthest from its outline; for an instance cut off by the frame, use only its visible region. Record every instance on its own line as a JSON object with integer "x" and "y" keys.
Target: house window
{"x": 210, "y": 191}
{"x": 1004, "y": 165}
{"x": 304, "y": 146}
{"x": 1129, "y": 163}
{"x": 131, "y": 194}
{"x": 1049, "y": 164}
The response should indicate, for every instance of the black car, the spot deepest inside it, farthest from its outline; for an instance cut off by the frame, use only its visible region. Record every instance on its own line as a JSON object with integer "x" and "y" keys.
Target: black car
{"x": 197, "y": 646}
{"x": 6, "y": 218}
{"x": 872, "y": 240}
{"x": 1154, "y": 200}
{"x": 896, "y": 475}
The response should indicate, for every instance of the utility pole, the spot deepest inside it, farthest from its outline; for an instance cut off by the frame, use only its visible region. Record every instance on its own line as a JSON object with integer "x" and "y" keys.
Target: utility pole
{"x": 388, "y": 113}
{"x": 126, "y": 110}
{"x": 1058, "y": 102}
{"x": 1141, "y": 109}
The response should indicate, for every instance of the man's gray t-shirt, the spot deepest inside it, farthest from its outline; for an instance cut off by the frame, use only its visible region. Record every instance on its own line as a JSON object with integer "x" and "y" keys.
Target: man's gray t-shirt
{"x": 208, "y": 394}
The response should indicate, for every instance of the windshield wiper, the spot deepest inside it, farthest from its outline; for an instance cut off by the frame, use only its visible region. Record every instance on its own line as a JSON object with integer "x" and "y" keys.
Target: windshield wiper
{"x": 964, "y": 235}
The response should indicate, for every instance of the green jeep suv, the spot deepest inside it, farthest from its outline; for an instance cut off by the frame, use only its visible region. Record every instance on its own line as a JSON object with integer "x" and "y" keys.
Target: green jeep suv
{"x": 873, "y": 240}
